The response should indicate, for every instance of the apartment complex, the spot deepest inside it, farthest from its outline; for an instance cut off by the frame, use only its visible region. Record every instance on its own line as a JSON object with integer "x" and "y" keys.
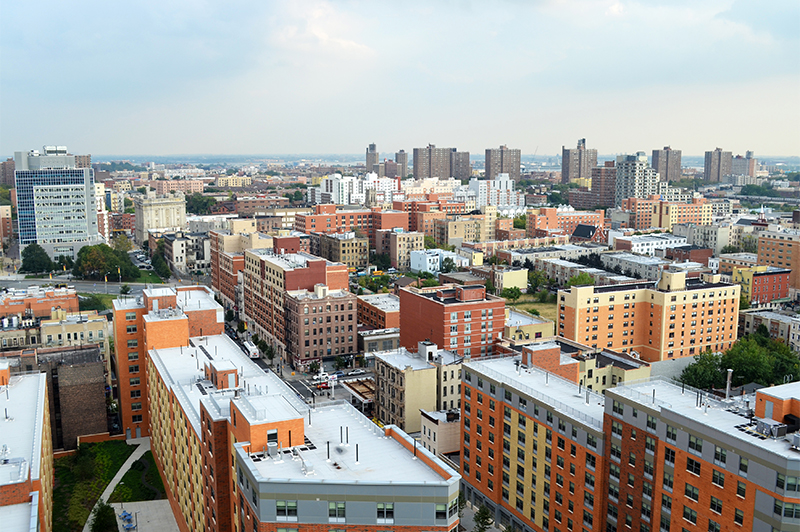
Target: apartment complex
{"x": 56, "y": 206}
{"x": 227, "y": 260}
{"x": 159, "y": 318}
{"x": 762, "y": 285}
{"x": 401, "y": 244}
{"x": 26, "y": 468}
{"x": 434, "y": 162}
{"x": 37, "y": 302}
{"x": 408, "y": 382}
{"x": 635, "y": 178}
{"x": 730, "y": 261}
{"x": 268, "y": 276}
{"x": 672, "y": 318}
{"x": 379, "y": 311}
{"x": 187, "y": 186}
{"x": 652, "y": 212}
{"x": 347, "y": 248}
{"x": 327, "y": 219}
{"x": 648, "y": 244}
{"x": 602, "y": 192}
{"x": 577, "y": 163}
{"x": 75, "y": 329}
{"x": 689, "y": 253}
{"x": 462, "y": 319}
{"x": 321, "y": 324}
{"x": 502, "y": 160}
{"x": 548, "y": 220}
{"x": 781, "y": 249}
{"x": 239, "y": 451}
{"x": 717, "y": 165}
{"x": 667, "y": 163}
{"x": 154, "y": 212}
{"x": 233, "y": 181}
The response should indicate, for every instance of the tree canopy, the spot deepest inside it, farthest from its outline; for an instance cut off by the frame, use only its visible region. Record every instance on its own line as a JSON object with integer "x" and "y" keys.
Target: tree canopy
{"x": 512, "y": 293}
{"x": 36, "y": 260}
{"x": 520, "y": 221}
{"x": 448, "y": 265}
{"x": 199, "y": 204}
{"x": 95, "y": 262}
{"x": 582, "y": 278}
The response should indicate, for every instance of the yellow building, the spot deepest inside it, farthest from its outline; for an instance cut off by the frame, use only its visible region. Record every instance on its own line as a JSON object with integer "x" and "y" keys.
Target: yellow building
{"x": 475, "y": 257}
{"x": 522, "y": 328}
{"x": 234, "y": 181}
{"x": 762, "y": 284}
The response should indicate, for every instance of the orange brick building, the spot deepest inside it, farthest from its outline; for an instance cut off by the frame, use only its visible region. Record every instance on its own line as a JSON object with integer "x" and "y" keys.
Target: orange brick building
{"x": 37, "y": 302}
{"x": 551, "y": 220}
{"x": 379, "y": 311}
{"x": 653, "y": 212}
{"x": 673, "y": 318}
{"x": 431, "y": 208}
{"x": 462, "y": 319}
{"x": 327, "y": 219}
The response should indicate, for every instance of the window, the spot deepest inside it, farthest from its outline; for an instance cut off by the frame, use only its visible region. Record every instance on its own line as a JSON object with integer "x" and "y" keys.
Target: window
{"x": 669, "y": 456}
{"x": 130, "y": 316}
{"x": 286, "y": 510}
{"x": 713, "y": 526}
{"x": 336, "y": 512}
{"x": 718, "y": 478}
{"x": 716, "y": 505}
{"x": 650, "y": 444}
{"x": 690, "y": 515}
{"x": 652, "y": 423}
{"x": 741, "y": 489}
{"x": 136, "y": 406}
{"x": 669, "y": 480}
{"x": 131, "y": 329}
{"x": 693, "y": 466}
{"x": 133, "y": 356}
{"x": 743, "y": 464}
{"x": 738, "y": 517}
{"x": 441, "y": 511}
{"x": 133, "y": 369}
{"x": 672, "y": 433}
{"x": 136, "y": 393}
{"x": 133, "y": 343}
{"x": 695, "y": 444}
{"x": 616, "y": 428}
{"x": 137, "y": 418}
{"x": 617, "y": 407}
{"x": 135, "y": 381}
{"x": 692, "y": 492}
{"x": 720, "y": 455}
{"x": 385, "y": 513}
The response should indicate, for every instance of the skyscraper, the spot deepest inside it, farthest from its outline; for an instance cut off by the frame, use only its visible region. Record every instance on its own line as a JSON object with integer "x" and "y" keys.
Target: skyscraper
{"x": 717, "y": 165}
{"x": 667, "y": 163}
{"x": 7, "y": 172}
{"x": 55, "y": 202}
{"x": 744, "y": 165}
{"x": 503, "y": 161}
{"x": 635, "y": 178}
{"x": 372, "y": 157}
{"x": 460, "y": 167}
{"x": 401, "y": 158}
{"x": 577, "y": 162}
{"x": 432, "y": 162}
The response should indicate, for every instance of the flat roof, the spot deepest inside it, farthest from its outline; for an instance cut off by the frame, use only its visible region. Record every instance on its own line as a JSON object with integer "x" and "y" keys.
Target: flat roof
{"x": 288, "y": 261}
{"x": 384, "y": 302}
{"x": 772, "y": 316}
{"x": 563, "y": 396}
{"x": 719, "y": 415}
{"x": 519, "y": 319}
{"x": 639, "y": 259}
{"x": 402, "y": 358}
{"x": 784, "y": 391}
{"x": 380, "y": 459}
{"x": 740, "y": 256}
{"x": 21, "y": 431}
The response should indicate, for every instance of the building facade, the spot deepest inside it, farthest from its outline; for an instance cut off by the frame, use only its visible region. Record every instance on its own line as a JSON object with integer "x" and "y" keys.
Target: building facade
{"x": 761, "y": 285}
{"x": 158, "y": 212}
{"x": 635, "y": 178}
{"x": 503, "y": 160}
{"x": 577, "y": 163}
{"x": 667, "y": 163}
{"x": 717, "y": 165}
{"x": 781, "y": 250}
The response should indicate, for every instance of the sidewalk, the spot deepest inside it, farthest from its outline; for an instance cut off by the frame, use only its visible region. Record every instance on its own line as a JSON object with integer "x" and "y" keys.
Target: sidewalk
{"x": 143, "y": 447}
{"x": 467, "y": 520}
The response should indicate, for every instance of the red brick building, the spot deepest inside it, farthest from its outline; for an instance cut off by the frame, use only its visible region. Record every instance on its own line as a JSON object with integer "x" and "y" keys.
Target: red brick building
{"x": 379, "y": 311}
{"x": 38, "y": 302}
{"x": 689, "y": 253}
{"x": 431, "y": 204}
{"x": 550, "y": 220}
{"x": 462, "y": 319}
{"x": 327, "y": 219}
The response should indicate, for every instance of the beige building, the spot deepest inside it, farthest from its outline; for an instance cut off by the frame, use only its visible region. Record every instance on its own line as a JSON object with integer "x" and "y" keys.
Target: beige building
{"x": 346, "y": 248}
{"x": 503, "y": 276}
{"x": 407, "y": 383}
{"x": 476, "y": 228}
{"x": 522, "y": 328}
{"x": 401, "y": 245}
{"x": 187, "y": 186}
{"x": 234, "y": 181}
{"x": 75, "y": 329}
{"x": 441, "y": 431}
{"x": 158, "y": 212}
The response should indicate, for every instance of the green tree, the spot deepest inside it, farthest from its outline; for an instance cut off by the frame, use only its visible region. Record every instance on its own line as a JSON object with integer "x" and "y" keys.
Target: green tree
{"x": 482, "y": 519}
{"x": 127, "y": 202}
{"x": 731, "y": 249}
{"x": 91, "y": 302}
{"x": 95, "y": 262}
{"x": 520, "y": 222}
{"x": 430, "y": 243}
{"x": 199, "y": 204}
{"x": 35, "y": 259}
{"x": 448, "y": 265}
{"x": 103, "y": 518}
{"x": 537, "y": 279}
{"x": 704, "y": 372}
{"x": 382, "y": 261}
{"x": 749, "y": 244}
{"x": 744, "y": 304}
{"x": 122, "y": 243}
{"x": 124, "y": 289}
{"x": 64, "y": 263}
{"x": 141, "y": 190}
{"x": 241, "y": 329}
{"x": 581, "y": 279}
{"x": 269, "y": 352}
{"x": 512, "y": 293}
{"x": 490, "y": 288}
{"x": 313, "y": 368}
{"x": 161, "y": 267}
{"x": 749, "y": 361}
{"x": 340, "y": 362}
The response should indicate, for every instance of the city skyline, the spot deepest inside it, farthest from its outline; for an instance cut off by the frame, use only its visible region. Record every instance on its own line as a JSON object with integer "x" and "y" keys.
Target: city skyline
{"x": 280, "y": 78}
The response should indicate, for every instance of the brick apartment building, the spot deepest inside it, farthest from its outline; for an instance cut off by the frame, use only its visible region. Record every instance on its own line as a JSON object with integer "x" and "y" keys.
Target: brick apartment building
{"x": 762, "y": 285}
{"x": 430, "y": 208}
{"x": 347, "y": 248}
{"x": 550, "y": 220}
{"x": 462, "y": 319}
{"x": 379, "y": 311}
{"x": 781, "y": 250}
{"x": 227, "y": 261}
{"x": 603, "y": 190}
{"x": 653, "y": 212}
{"x": 689, "y": 253}
{"x": 257, "y": 205}
{"x": 187, "y": 186}
{"x": 327, "y": 219}
{"x": 37, "y": 302}
{"x": 321, "y": 325}
{"x": 672, "y": 318}
{"x": 399, "y": 244}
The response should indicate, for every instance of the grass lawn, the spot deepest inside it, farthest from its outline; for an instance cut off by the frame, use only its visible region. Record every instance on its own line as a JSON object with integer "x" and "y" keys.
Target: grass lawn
{"x": 148, "y": 276}
{"x": 80, "y": 480}
{"x": 141, "y": 483}
{"x": 106, "y": 299}
{"x": 529, "y": 302}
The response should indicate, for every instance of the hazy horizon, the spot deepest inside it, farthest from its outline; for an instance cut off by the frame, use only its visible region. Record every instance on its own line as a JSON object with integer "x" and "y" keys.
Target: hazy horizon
{"x": 328, "y": 77}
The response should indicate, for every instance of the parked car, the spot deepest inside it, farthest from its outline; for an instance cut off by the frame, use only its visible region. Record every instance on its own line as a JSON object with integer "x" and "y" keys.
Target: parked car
{"x": 320, "y": 377}
{"x": 338, "y": 374}
{"x": 357, "y": 372}
{"x": 323, "y": 386}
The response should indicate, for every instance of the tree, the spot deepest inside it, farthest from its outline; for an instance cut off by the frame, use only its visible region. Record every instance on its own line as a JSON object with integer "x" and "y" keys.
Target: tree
{"x": 229, "y": 316}
{"x": 512, "y": 293}
{"x": 448, "y": 265}
{"x": 744, "y": 304}
{"x": 482, "y": 519}
{"x": 103, "y": 518}
{"x": 314, "y": 367}
{"x": 124, "y": 289}
{"x": 430, "y": 243}
{"x": 161, "y": 267}
{"x": 537, "y": 279}
{"x": 581, "y": 279}
{"x": 91, "y": 302}
{"x": 64, "y": 263}
{"x": 269, "y": 352}
{"x": 35, "y": 259}
{"x": 199, "y": 204}
{"x": 96, "y": 262}
{"x": 749, "y": 244}
{"x": 340, "y": 362}
{"x": 462, "y": 503}
{"x": 241, "y": 329}
{"x": 382, "y": 261}
{"x": 122, "y": 243}
{"x": 520, "y": 221}
{"x": 731, "y": 249}
{"x": 704, "y": 372}
{"x": 490, "y": 286}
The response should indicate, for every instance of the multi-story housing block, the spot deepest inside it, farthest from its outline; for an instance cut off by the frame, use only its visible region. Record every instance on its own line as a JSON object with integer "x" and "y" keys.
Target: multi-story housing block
{"x": 401, "y": 244}
{"x": 652, "y": 212}
{"x": 346, "y": 247}
{"x": 227, "y": 260}
{"x": 542, "y": 222}
{"x": 667, "y": 163}
{"x": 635, "y": 178}
{"x": 563, "y": 270}
{"x": 432, "y": 162}
{"x": 379, "y": 311}
{"x": 463, "y": 319}
{"x": 494, "y": 247}
{"x": 37, "y": 302}
{"x": 26, "y": 465}
{"x": 648, "y": 244}
{"x": 407, "y": 382}
{"x": 268, "y": 276}
{"x": 76, "y": 329}
{"x": 638, "y": 266}
{"x": 233, "y": 181}
{"x": 567, "y": 251}
{"x": 187, "y": 186}
{"x": 441, "y": 431}
{"x": 162, "y": 213}
{"x": 260, "y": 205}
{"x": 672, "y": 318}
{"x": 577, "y": 163}
{"x": 781, "y": 249}
{"x": 780, "y": 326}
{"x": 502, "y": 160}
{"x": 327, "y": 219}
{"x": 730, "y": 261}
{"x": 321, "y": 325}
{"x": 279, "y": 218}
{"x": 761, "y": 285}
{"x": 689, "y": 253}
{"x": 717, "y": 165}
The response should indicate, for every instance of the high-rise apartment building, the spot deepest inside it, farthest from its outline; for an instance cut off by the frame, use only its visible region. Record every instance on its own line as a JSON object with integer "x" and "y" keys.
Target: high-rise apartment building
{"x": 717, "y": 165}
{"x": 781, "y": 249}
{"x": 56, "y": 205}
{"x": 577, "y": 162}
{"x": 401, "y": 158}
{"x": 503, "y": 160}
{"x": 667, "y": 163}
{"x": 744, "y": 165}
{"x": 603, "y": 190}
{"x": 26, "y": 462}
{"x": 635, "y": 178}
{"x": 372, "y": 157}
{"x": 673, "y": 317}
{"x": 460, "y": 167}
{"x": 83, "y": 161}
{"x": 163, "y": 213}
{"x": 432, "y": 162}
{"x": 463, "y": 319}
{"x": 7, "y": 172}
{"x": 347, "y": 247}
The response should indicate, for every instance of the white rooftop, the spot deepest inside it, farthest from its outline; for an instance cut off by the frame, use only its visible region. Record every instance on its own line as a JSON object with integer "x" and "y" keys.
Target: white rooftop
{"x": 381, "y": 459}
{"x": 22, "y": 401}
{"x": 639, "y": 259}
{"x": 519, "y": 319}
{"x": 385, "y": 302}
{"x": 402, "y": 358}
{"x": 562, "y": 395}
{"x": 20, "y": 517}
{"x": 784, "y": 391}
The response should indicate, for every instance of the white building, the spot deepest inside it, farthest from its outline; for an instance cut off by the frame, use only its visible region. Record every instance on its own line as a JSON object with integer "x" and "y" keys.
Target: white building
{"x": 635, "y": 178}
{"x": 500, "y": 193}
{"x": 430, "y": 260}
{"x": 648, "y": 244}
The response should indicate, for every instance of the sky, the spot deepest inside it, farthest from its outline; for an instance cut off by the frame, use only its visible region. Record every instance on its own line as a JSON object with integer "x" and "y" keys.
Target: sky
{"x": 302, "y": 76}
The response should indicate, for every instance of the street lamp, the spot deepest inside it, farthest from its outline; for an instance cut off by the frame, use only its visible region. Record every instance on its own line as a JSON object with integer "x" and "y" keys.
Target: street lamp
{"x": 136, "y": 520}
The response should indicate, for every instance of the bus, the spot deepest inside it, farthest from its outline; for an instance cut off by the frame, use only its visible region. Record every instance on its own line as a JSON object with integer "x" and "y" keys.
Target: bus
{"x": 251, "y": 349}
